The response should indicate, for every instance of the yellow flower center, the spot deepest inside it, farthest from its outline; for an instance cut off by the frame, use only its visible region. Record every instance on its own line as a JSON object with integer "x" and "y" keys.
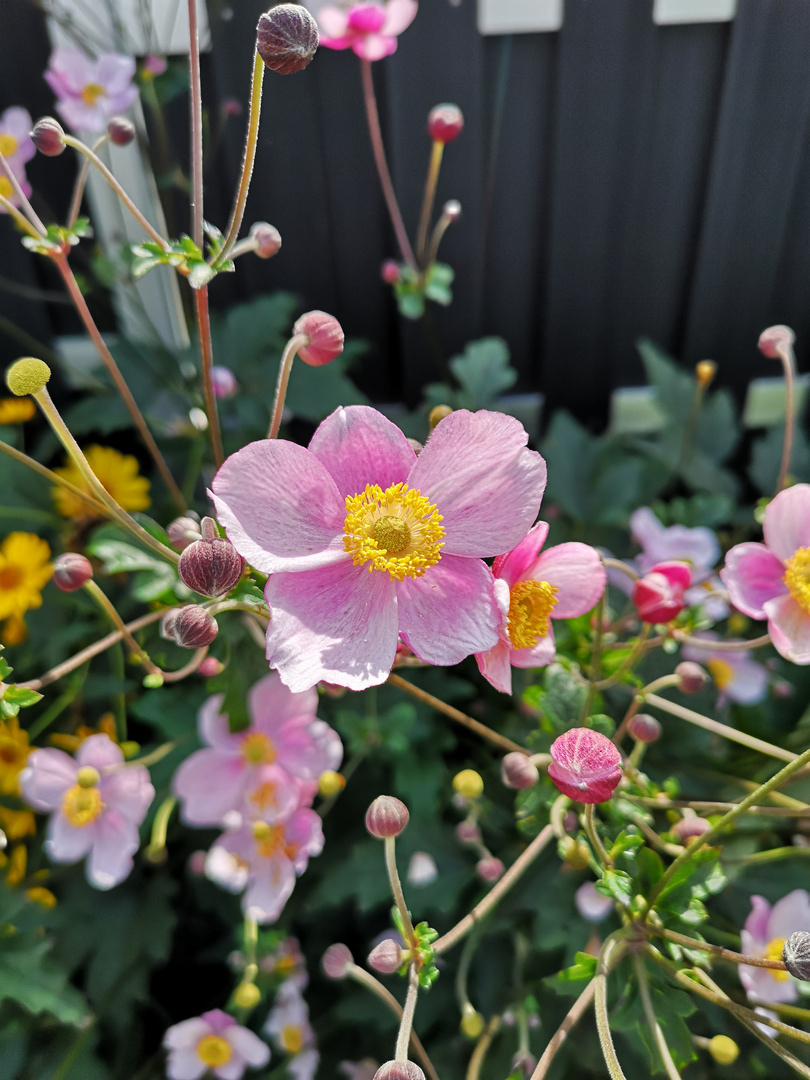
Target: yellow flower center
{"x": 6, "y": 189}
{"x": 291, "y": 1038}
{"x": 722, "y": 672}
{"x": 797, "y": 578}
{"x": 81, "y": 805}
{"x": 396, "y": 530}
{"x": 264, "y": 796}
{"x": 270, "y": 840}
{"x": 92, "y": 92}
{"x": 11, "y": 752}
{"x": 87, "y": 776}
{"x": 8, "y": 145}
{"x": 773, "y": 951}
{"x": 11, "y": 577}
{"x": 530, "y": 605}
{"x": 258, "y": 749}
{"x": 214, "y": 1051}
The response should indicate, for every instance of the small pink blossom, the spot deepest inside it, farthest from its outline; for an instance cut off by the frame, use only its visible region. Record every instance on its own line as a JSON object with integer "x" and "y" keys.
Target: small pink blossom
{"x": 586, "y": 766}
{"x": 772, "y": 580}
{"x": 224, "y": 382}
{"x": 16, "y": 144}
{"x": 532, "y": 590}
{"x": 370, "y": 29}
{"x": 212, "y": 1044}
{"x": 154, "y": 65}
{"x": 96, "y": 804}
{"x": 766, "y": 930}
{"x": 90, "y": 91}
{"x": 737, "y": 675}
{"x": 659, "y": 595}
{"x": 289, "y": 1027}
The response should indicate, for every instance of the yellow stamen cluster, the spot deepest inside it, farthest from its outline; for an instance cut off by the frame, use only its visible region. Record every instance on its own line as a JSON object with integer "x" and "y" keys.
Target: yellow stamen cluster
{"x": 291, "y": 1038}
{"x": 8, "y": 145}
{"x": 773, "y": 951}
{"x": 722, "y": 672}
{"x": 6, "y": 187}
{"x": 397, "y": 530}
{"x": 265, "y": 797}
{"x": 213, "y": 1051}
{"x": 797, "y": 578}
{"x": 258, "y": 749}
{"x": 530, "y": 606}
{"x": 270, "y": 840}
{"x": 92, "y": 92}
{"x": 82, "y": 805}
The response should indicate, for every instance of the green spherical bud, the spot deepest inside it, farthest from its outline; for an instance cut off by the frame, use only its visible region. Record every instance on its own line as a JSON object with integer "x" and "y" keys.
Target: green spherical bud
{"x": 27, "y": 376}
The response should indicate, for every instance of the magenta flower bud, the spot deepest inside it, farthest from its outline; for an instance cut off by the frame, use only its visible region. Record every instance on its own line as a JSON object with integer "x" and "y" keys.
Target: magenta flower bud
{"x": 286, "y": 38}
{"x": 194, "y": 627}
{"x": 391, "y": 272}
{"x": 774, "y": 340}
{"x": 47, "y": 136}
{"x": 659, "y": 595}
{"x": 267, "y": 239}
{"x": 468, "y": 832}
{"x": 399, "y": 1070}
{"x": 223, "y": 381}
{"x": 693, "y": 677}
{"x": 386, "y": 957}
{"x": 120, "y": 130}
{"x": 211, "y": 566}
{"x": 645, "y": 728}
{"x": 210, "y": 667}
{"x": 518, "y": 772}
{"x": 688, "y": 828}
{"x": 490, "y": 869}
{"x": 71, "y": 571}
{"x": 184, "y": 531}
{"x": 586, "y": 766}
{"x": 154, "y": 65}
{"x": 386, "y": 817}
{"x": 445, "y": 123}
{"x": 325, "y": 337}
{"x": 336, "y": 961}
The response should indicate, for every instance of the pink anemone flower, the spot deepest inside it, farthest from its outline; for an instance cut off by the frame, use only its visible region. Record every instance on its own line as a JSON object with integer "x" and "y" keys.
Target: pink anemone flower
{"x": 365, "y": 541}
{"x": 766, "y": 930}
{"x": 533, "y": 589}
{"x": 285, "y": 743}
{"x": 736, "y": 675}
{"x": 212, "y": 1044}
{"x": 7, "y": 188}
{"x": 16, "y": 144}
{"x": 369, "y": 29}
{"x": 89, "y": 91}
{"x": 96, "y": 804}
{"x": 772, "y": 580}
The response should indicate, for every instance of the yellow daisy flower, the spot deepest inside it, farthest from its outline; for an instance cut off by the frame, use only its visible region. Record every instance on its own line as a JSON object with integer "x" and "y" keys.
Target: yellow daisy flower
{"x": 118, "y": 474}
{"x": 16, "y": 410}
{"x": 17, "y": 824}
{"x": 14, "y": 751}
{"x": 24, "y": 572}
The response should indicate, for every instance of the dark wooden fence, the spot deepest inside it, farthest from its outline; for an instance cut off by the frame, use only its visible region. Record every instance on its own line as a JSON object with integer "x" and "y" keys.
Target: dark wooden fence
{"x": 618, "y": 179}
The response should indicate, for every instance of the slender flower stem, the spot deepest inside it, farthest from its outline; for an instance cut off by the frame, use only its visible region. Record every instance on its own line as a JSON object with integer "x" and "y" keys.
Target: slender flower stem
{"x": 27, "y": 208}
{"x": 607, "y": 959}
{"x": 54, "y": 478}
{"x": 106, "y": 605}
{"x": 187, "y": 669}
{"x": 654, "y": 838}
{"x": 596, "y": 660}
{"x": 652, "y": 1020}
{"x": 715, "y": 950}
{"x": 590, "y": 828}
{"x": 496, "y": 893}
{"x": 243, "y": 247}
{"x": 722, "y": 646}
{"x": 785, "y": 352}
{"x": 455, "y": 714}
{"x": 406, "y": 1023}
{"x": 639, "y": 649}
{"x": 481, "y": 1048}
{"x": 373, "y": 117}
{"x": 195, "y": 97}
{"x": 160, "y": 825}
{"x": 156, "y": 755}
{"x": 396, "y": 889}
{"x": 207, "y": 363}
{"x": 248, "y": 161}
{"x": 439, "y": 229}
{"x": 81, "y": 182}
{"x": 298, "y": 341}
{"x": 21, "y": 219}
{"x": 617, "y": 564}
{"x": 572, "y": 1018}
{"x": 121, "y": 386}
{"x": 427, "y": 202}
{"x": 801, "y": 811}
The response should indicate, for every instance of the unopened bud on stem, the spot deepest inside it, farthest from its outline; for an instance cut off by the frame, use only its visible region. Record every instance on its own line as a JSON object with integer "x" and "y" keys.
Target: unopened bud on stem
{"x": 387, "y": 957}
{"x": 336, "y": 961}
{"x": 27, "y": 376}
{"x": 399, "y": 1070}
{"x": 386, "y": 817}
{"x": 267, "y": 239}
{"x": 211, "y": 566}
{"x": 325, "y": 338}
{"x": 120, "y": 130}
{"x": 71, "y": 571}
{"x": 286, "y": 38}
{"x": 194, "y": 627}
{"x": 445, "y": 123}
{"x": 775, "y": 340}
{"x": 692, "y": 677}
{"x": 796, "y": 955}
{"x": 518, "y": 772}
{"x": 48, "y": 136}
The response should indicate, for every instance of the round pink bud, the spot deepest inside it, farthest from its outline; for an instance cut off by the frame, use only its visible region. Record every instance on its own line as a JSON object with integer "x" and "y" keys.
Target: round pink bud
{"x": 267, "y": 239}
{"x": 524, "y": 1062}
{"x": 386, "y": 957}
{"x": 445, "y": 123}
{"x": 325, "y": 337}
{"x": 659, "y": 595}
{"x": 210, "y": 667}
{"x": 211, "y": 566}
{"x": 223, "y": 381}
{"x": 154, "y": 65}
{"x": 518, "y": 772}
{"x": 336, "y": 961}
{"x": 391, "y": 272}
{"x": 773, "y": 341}
{"x": 586, "y": 766}
{"x": 645, "y": 728}
{"x": 231, "y": 107}
{"x": 386, "y": 817}
{"x": 451, "y": 210}
{"x": 196, "y": 863}
{"x": 399, "y": 1070}
{"x": 693, "y": 677}
{"x": 468, "y": 832}
{"x": 48, "y": 136}
{"x": 286, "y": 38}
{"x": 194, "y": 627}
{"x": 490, "y": 869}
{"x": 120, "y": 130}
{"x": 184, "y": 530}
{"x": 689, "y": 827}
{"x": 71, "y": 571}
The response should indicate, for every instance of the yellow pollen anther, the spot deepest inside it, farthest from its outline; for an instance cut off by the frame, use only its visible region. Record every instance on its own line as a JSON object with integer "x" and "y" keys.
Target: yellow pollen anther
{"x": 87, "y": 776}
{"x": 214, "y": 1051}
{"x": 291, "y": 1038}
{"x": 722, "y": 672}
{"x": 262, "y": 831}
{"x": 6, "y": 187}
{"x": 8, "y": 145}
{"x": 797, "y": 577}
{"x": 773, "y": 951}
{"x": 397, "y": 530}
{"x": 530, "y": 605}
{"x": 91, "y": 92}
{"x": 258, "y": 749}
{"x": 81, "y": 805}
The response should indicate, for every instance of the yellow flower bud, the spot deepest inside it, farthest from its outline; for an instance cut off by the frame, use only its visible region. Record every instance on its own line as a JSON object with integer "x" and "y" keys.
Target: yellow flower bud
{"x": 437, "y": 414}
{"x": 705, "y": 372}
{"x": 27, "y": 376}
{"x": 724, "y": 1050}
{"x": 330, "y": 783}
{"x": 472, "y": 1022}
{"x": 41, "y": 896}
{"x": 468, "y": 783}
{"x": 247, "y": 995}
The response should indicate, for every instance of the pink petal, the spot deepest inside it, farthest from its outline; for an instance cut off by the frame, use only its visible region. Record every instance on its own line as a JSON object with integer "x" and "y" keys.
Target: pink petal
{"x": 306, "y": 748}
{"x": 271, "y": 703}
{"x": 100, "y": 752}
{"x": 337, "y": 624}
{"x": 280, "y": 507}
{"x": 399, "y": 14}
{"x": 449, "y": 613}
{"x": 49, "y": 774}
{"x": 186, "y": 1034}
{"x": 786, "y": 527}
{"x": 789, "y": 627}
{"x": 748, "y": 684}
{"x": 266, "y": 895}
{"x": 366, "y": 18}
{"x": 232, "y": 1070}
{"x": 359, "y": 446}
{"x": 753, "y": 575}
{"x": 272, "y": 794}
{"x": 789, "y": 914}
{"x": 115, "y": 72}
{"x": 16, "y": 122}
{"x": 332, "y": 23}
{"x": 185, "y": 1065}
{"x": 496, "y": 667}
{"x": 475, "y": 467}
{"x": 115, "y": 843}
{"x": 119, "y": 103}
{"x": 129, "y": 792}
{"x": 81, "y": 117}
{"x": 512, "y": 566}
{"x": 304, "y": 833}
{"x": 374, "y": 46}
{"x": 577, "y": 572}
{"x": 67, "y": 843}
{"x": 213, "y": 725}
{"x": 209, "y": 784}
{"x": 335, "y": 42}
{"x": 757, "y": 922}
{"x": 538, "y": 655}
{"x": 73, "y": 67}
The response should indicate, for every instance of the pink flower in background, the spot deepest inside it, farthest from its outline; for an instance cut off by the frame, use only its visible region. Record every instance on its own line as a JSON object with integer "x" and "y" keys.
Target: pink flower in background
{"x": 224, "y": 382}
{"x": 90, "y": 91}
{"x": 736, "y": 675}
{"x": 532, "y": 589}
{"x": 212, "y": 1044}
{"x": 586, "y": 766}
{"x": 7, "y": 188}
{"x": 96, "y": 806}
{"x": 289, "y": 1027}
{"x": 154, "y": 65}
{"x": 659, "y": 595}
{"x": 256, "y": 770}
{"x": 16, "y": 144}
{"x": 591, "y": 904}
{"x": 765, "y": 933}
{"x": 772, "y": 580}
{"x": 366, "y": 542}
{"x": 369, "y": 29}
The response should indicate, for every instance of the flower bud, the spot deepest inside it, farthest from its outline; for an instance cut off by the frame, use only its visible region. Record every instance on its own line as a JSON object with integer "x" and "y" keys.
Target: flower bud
{"x": 325, "y": 338}
{"x": 693, "y": 677}
{"x": 386, "y": 817}
{"x": 184, "y": 531}
{"x": 445, "y": 123}
{"x": 774, "y": 340}
{"x": 120, "y": 130}
{"x": 705, "y": 371}
{"x": 27, "y": 376}
{"x": 524, "y": 1062}
{"x": 223, "y": 381}
{"x": 472, "y": 1022}
{"x": 489, "y": 869}
{"x": 267, "y": 239}
{"x": 518, "y": 772}
{"x": 689, "y": 827}
{"x": 167, "y": 624}
{"x": 330, "y": 783}
{"x": 231, "y": 107}
{"x": 336, "y": 961}
{"x": 645, "y": 728}
{"x": 468, "y": 783}
{"x": 210, "y": 667}
{"x": 391, "y": 272}
{"x": 724, "y": 1050}
{"x": 399, "y": 1070}
{"x": 468, "y": 832}
{"x": 211, "y": 567}
{"x": 591, "y": 904}
{"x": 437, "y": 414}
{"x": 586, "y": 766}
{"x": 387, "y": 957}
{"x": 71, "y": 571}
{"x": 154, "y": 65}
{"x": 286, "y": 38}
{"x": 451, "y": 210}
{"x": 48, "y": 136}
{"x": 194, "y": 627}
{"x": 247, "y": 996}
{"x": 796, "y": 955}
{"x": 659, "y": 595}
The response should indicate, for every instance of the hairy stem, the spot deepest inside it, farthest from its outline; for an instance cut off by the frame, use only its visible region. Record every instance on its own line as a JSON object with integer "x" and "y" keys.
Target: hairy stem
{"x": 249, "y": 159}
{"x": 106, "y": 605}
{"x": 427, "y": 201}
{"x": 52, "y": 477}
{"x": 207, "y": 363}
{"x": 196, "y": 125}
{"x": 481, "y": 1048}
{"x": 652, "y": 1020}
{"x": 81, "y": 183}
{"x": 785, "y": 351}
{"x": 607, "y": 959}
{"x": 721, "y": 646}
{"x": 396, "y": 890}
{"x": 406, "y": 1023}
{"x": 284, "y": 369}
{"x": 572, "y": 1018}
{"x": 27, "y": 208}
{"x": 21, "y": 219}
{"x": 589, "y": 822}
{"x": 715, "y": 950}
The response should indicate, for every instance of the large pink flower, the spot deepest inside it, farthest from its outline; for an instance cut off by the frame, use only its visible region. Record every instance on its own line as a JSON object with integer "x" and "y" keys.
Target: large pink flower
{"x": 263, "y": 764}
{"x": 89, "y": 91}
{"x": 365, "y": 541}
{"x": 212, "y": 1044}
{"x": 765, "y": 933}
{"x": 370, "y": 29}
{"x": 96, "y": 804}
{"x": 532, "y": 590}
{"x": 772, "y": 580}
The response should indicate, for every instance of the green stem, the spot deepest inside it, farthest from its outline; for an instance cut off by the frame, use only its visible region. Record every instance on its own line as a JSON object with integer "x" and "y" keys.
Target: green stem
{"x": 721, "y": 646}
{"x": 298, "y": 341}
{"x": 589, "y": 822}
{"x": 596, "y": 659}
{"x": 572, "y": 1017}
{"x": 107, "y": 606}
{"x": 249, "y": 159}
{"x": 652, "y": 1020}
{"x": 406, "y": 1023}
{"x": 427, "y": 201}
{"x": 160, "y": 826}
{"x": 21, "y": 219}
{"x": 81, "y": 182}
{"x": 396, "y": 889}
{"x": 715, "y": 950}
{"x": 119, "y": 699}
{"x": 57, "y": 707}
{"x": 607, "y": 959}
{"x": 481, "y": 1048}
{"x": 27, "y": 208}
{"x": 207, "y": 363}
{"x": 52, "y": 477}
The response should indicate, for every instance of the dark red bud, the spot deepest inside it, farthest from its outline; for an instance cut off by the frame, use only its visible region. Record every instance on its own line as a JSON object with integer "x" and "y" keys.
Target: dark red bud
{"x": 211, "y": 566}
{"x": 693, "y": 677}
{"x": 47, "y": 136}
{"x": 267, "y": 239}
{"x": 71, "y": 571}
{"x": 386, "y": 817}
{"x": 645, "y": 728}
{"x": 120, "y": 130}
{"x": 286, "y": 38}
{"x": 325, "y": 337}
{"x": 194, "y": 627}
{"x": 518, "y": 772}
{"x": 445, "y": 123}
{"x": 336, "y": 961}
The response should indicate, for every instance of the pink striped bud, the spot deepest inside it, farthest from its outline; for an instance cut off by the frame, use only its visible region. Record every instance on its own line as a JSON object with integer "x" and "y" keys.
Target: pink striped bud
{"x": 775, "y": 340}
{"x": 518, "y": 772}
{"x": 693, "y": 677}
{"x": 71, "y": 571}
{"x": 336, "y": 961}
{"x": 387, "y": 957}
{"x": 586, "y": 766}
{"x": 689, "y": 827}
{"x": 659, "y": 595}
{"x": 645, "y": 728}
{"x": 399, "y": 1070}
{"x": 325, "y": 338}
{"x": 386, "y": 817}
{"x": 490, "y": 869}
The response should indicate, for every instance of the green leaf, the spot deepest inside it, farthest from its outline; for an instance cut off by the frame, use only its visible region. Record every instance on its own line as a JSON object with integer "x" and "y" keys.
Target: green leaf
{"x": 16, "y": 695}
{"x": 30, "y": 977}
{"x": 617, "y": 884}
{"x": 582, "y": 970}
{"x": 483, "y": 372}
